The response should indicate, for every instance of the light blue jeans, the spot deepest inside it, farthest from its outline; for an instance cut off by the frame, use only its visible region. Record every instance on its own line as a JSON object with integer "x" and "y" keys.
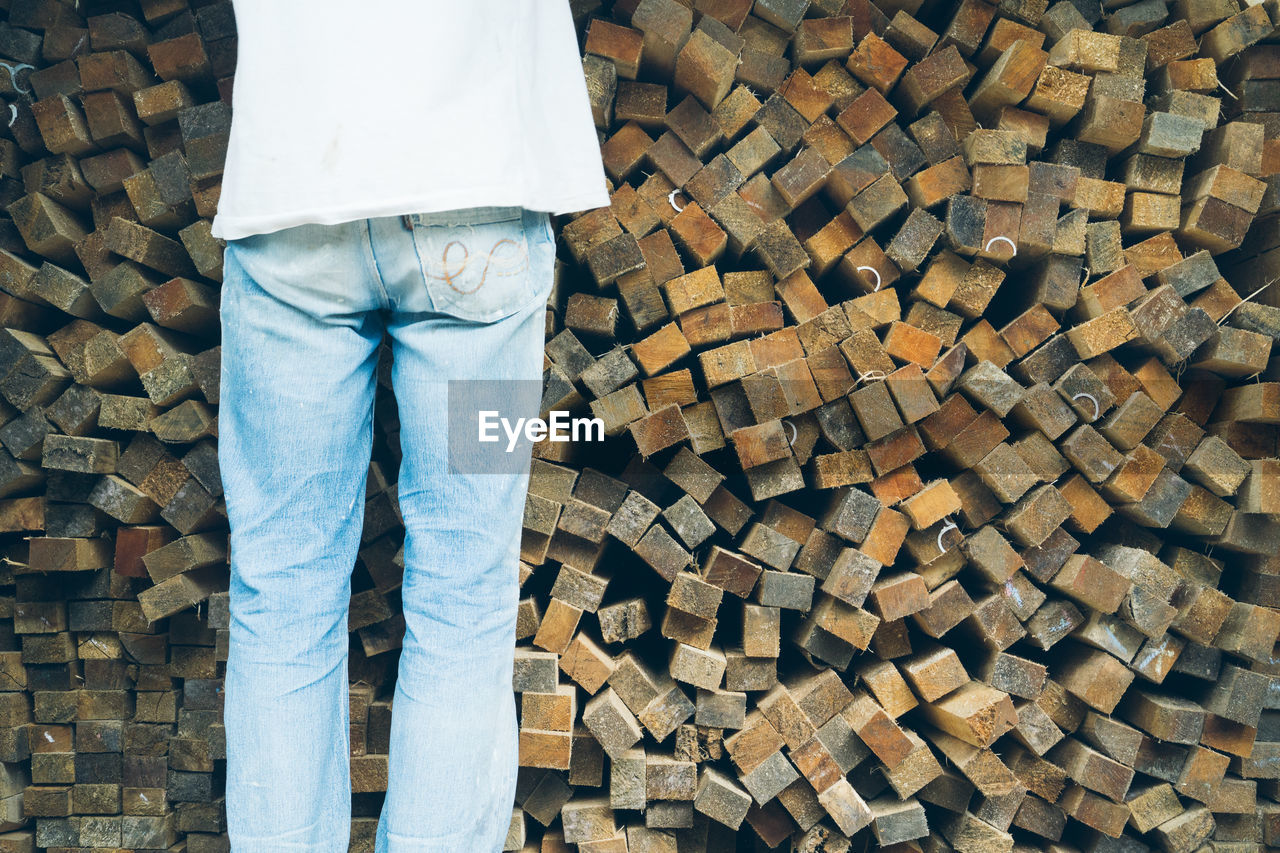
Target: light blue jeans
{"x": 462, "y": 295}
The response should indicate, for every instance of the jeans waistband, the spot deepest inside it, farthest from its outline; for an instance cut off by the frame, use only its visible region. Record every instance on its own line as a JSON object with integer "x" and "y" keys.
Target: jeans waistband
{"x": 463, "y": 216}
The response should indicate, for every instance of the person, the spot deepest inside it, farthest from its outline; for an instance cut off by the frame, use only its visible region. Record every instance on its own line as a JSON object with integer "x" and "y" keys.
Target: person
{"x": 392, "y": 167}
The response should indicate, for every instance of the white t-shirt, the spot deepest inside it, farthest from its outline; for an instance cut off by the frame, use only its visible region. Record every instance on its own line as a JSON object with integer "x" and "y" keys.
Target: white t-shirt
{"x": 345, "y": 110}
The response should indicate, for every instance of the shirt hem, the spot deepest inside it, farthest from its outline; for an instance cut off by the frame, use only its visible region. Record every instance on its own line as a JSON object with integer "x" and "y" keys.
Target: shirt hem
{"x": 235, "y": 227}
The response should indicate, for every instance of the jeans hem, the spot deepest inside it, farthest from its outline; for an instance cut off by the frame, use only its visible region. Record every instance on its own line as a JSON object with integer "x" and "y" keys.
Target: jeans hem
{"x": 453, "y": 843}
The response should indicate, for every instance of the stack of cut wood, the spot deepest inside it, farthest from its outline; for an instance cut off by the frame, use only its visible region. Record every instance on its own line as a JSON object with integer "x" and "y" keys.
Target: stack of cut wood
{"x": 942, "y": 508}
{"x": 114, "y": 530}
{"x": 940, "y": 504}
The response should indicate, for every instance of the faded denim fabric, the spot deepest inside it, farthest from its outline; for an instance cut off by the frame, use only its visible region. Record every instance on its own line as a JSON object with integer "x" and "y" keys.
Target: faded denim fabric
{"x": 462, "y": 296}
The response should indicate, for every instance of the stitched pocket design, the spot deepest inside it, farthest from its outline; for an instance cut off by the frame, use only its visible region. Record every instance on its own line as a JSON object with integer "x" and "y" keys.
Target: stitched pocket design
{"x": 476, "y": 261}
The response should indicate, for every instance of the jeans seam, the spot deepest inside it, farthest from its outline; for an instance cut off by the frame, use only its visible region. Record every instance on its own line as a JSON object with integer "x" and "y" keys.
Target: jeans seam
{"x": 422, "y": 267}
{"x": 377, "y": 270}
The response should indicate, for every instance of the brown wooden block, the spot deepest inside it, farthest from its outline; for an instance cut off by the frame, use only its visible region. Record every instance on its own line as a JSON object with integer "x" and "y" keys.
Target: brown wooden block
{"x": 886, "y": 536}
{"x": 1214, "y": 224}
{"x": 1100, "y": 199}
{"x": 966, "y": 223}
{"x": 875, "y": 410}
{"x": 588, "y": 231}
{"x": 592, "y": 315}
{"x": 182, "y": 58}
{"x": 1042, "y": 409}
{"x": 727, "y": 363}
{"x": 1037, "y": 515}
{"x": 668, "y": 155}
{"x": 611, "y": 722}
{"x": 876, "y": 63}
{"x": 827, "y": 137}
{"x": 854, "y": 173}
{"x": 929, "y": 506}
{"x": 1028, "y": 330}
{"x": 1114, "y": 290}
{"x": 840, "y": 469}
{"x": 761, "y": 444}
{"x": 935, "y": 673}
{"x": 865, "y": 116}
{"x": 1032, "y": 128}
{"x": 1000, "y": 183}
{"x": 799, "y": 179}
{"x": 1167, "y": 134}
{"x": 865, "y": 267}
{"x": 1099, "y": 814}
{"x": 777, "y": 247}
{"x": 939, "y": 182}
{"x": 976, "y": 714}
{"x": 1214, "y": 465}
{"x": 933, "y": 77}
{"x": 1227, "y": 184}
{"x": 907, "y": 343}
{"x": 641, "y": 103}
{"x": 1102, "y": 334}
{"x": 910, "y": 37}
{"x": 991, "y": 387}
{"x": 838, "y": 83}
{"x": 621, "y": 45}
{"x": 1157, "y": 384}
{"x": 963, "y": 435}
{"x": 62, "y": 126}
{"x": 47, "y": 227}
{"x": 1130, "y": 422}
{"x": 888, "y": 687}
{"x": 877, "y": 730}
{"x": 707, "y": 325}
{"x": 818, "y": 40}
{"x": 1094, "y": 677}
{"x": 994, "y": 623}
{"x": 896, "y": 485}
{"x": 946, "y": 327}
{"x": 1006, "y": 474}
{"x": 713, "y": 187}
{"x": 1058, "y": 94}
{"x": 977, "y": 289}
{"x": 731, "y": 572}
{"x": 934, "y": 138}
{"x": 1234, "y": 352}
{"x": 968, "y": 25}
{"x": 942, "y": 278}
{"x": 826, "y": 247}
{"x": 1088, "y": 509}
{"x": 1135, "y": 476}
{"x": 602, "y": 82}
{"x": 913, "y": 242}
{"x": 912, "y": 393}
{"x": 1235, "y": 34}
{"x": 899, "y": 595}
{"x": 949, "y": 605}
{"x": 660, "y": 350}
{"x": 1146, "y": 173}
{"x": 1009, "y": 79}
{"x": 665, "y": 30}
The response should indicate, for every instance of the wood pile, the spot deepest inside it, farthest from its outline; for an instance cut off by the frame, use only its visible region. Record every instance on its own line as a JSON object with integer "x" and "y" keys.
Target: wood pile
{"x": 940, "y": 508}
{"x": 935, "y": 344}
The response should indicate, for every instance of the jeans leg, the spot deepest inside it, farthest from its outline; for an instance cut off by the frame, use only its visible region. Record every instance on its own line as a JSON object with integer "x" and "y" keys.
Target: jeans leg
{"x": 295, "y": 433}
{"x": 452, "y": 767}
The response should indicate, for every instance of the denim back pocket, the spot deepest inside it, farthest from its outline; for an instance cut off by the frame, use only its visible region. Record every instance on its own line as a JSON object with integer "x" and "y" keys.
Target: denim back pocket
{"x": 479, "y": 263}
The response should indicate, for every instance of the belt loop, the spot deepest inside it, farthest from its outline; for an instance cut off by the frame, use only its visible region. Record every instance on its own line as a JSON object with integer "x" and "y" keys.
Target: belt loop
{"x": 408, "y": 223}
